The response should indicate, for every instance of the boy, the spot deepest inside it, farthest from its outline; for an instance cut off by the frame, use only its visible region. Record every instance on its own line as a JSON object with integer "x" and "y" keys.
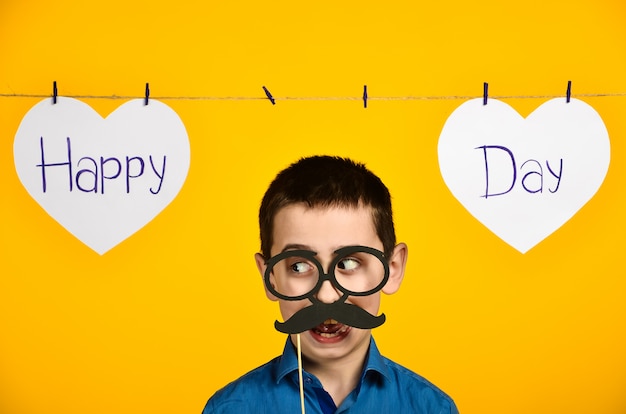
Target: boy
{"x": 328, "y": 248}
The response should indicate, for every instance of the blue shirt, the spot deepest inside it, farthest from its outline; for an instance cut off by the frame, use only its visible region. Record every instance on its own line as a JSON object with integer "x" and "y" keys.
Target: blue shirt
{"x": 385, "y": 387}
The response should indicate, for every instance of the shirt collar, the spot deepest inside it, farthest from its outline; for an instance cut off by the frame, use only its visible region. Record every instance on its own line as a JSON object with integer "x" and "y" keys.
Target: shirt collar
{"x": 289, "y": 361}
{"x": 375, "y": 361}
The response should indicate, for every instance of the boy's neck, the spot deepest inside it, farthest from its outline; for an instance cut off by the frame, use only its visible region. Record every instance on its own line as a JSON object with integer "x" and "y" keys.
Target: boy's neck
{"x": 339, "y": 377}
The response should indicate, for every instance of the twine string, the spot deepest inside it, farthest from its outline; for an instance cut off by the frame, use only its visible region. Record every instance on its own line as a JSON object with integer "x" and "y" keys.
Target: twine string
{"x": 315, "y": 98}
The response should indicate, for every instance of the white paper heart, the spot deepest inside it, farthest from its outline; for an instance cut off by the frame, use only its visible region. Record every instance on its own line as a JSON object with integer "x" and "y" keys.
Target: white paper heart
{"x": 102, "y": 179}
{"x": 524, "y": 178}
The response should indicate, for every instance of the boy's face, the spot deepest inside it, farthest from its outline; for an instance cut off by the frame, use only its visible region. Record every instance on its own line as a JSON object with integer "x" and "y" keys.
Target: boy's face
{"x": 324, "y": 230}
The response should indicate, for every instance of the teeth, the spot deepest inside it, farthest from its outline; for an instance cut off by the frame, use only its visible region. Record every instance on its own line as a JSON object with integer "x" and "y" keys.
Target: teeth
{"x": 343, "y": 329}
{"x": 330, "y": 322}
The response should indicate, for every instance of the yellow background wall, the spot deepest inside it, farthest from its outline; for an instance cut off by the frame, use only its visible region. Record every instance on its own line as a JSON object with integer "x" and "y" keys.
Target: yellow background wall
{"x": 164, "y": 319}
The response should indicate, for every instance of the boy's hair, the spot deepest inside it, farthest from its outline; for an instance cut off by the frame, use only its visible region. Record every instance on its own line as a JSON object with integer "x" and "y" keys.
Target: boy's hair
{"x": 326, "y": 181}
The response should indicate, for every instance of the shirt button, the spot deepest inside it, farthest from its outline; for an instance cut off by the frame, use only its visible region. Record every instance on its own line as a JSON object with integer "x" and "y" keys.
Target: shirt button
{"x": 308, "y": 380}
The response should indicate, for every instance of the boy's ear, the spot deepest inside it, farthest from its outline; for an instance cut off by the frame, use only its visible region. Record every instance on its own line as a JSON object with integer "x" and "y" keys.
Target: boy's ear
{"x": 397, "y": 264}
{"x": 260, "y": 264}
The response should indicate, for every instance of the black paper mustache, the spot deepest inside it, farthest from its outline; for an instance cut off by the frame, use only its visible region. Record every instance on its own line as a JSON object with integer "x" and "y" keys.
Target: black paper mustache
{"x": 311, "y": 316}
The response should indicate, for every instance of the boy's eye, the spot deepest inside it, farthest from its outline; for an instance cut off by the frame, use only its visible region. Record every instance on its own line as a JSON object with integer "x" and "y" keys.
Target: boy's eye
{"x": 347, "y": 264}
{"x": 301, "y": 267}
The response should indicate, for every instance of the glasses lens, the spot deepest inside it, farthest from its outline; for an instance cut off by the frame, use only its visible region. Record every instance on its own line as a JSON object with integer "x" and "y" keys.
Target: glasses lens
{"x": 294, "y": 276}
{"x": 359, "y": 272}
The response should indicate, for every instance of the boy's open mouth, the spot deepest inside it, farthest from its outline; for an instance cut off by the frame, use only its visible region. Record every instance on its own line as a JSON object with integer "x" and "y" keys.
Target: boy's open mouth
{"x": 330, "y": 329}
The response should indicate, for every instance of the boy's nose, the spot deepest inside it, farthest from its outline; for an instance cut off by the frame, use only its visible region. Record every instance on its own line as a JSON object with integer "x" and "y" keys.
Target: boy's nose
{"x": 327, "y": 293}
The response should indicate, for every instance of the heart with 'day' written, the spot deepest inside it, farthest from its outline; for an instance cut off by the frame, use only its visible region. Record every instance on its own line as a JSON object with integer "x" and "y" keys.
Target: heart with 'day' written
{"x": 102, "y": 179}
{"x": 524, "y": 178}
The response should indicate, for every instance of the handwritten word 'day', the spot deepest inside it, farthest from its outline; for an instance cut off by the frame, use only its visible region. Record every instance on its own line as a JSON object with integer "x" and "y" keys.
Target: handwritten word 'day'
{"x": 95, "y": 174}
{"x": 523, "y": 178}
{"x": 532, "y": 180}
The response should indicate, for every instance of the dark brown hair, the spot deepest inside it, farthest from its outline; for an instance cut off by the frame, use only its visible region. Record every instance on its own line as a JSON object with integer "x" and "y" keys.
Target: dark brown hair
{"x": 326, "y": 181}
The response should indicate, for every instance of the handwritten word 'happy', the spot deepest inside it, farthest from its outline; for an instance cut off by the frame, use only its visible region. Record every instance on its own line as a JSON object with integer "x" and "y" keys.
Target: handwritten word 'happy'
{"x": 92, "y": 173}
{"x": 537, "y": 172}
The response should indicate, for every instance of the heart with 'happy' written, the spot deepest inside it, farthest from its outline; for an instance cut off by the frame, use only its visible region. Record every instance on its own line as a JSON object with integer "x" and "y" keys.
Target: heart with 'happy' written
{"x": 102, "y": 179}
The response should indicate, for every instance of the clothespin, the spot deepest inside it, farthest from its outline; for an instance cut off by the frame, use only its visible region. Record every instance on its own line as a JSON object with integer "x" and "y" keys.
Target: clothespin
{"x": 485, "y": 92}
{"x": 269, "y": 96}
{"x": 364, "y": 96}
{"x": 568, "y": 94}
{"x": 54, "y": 92}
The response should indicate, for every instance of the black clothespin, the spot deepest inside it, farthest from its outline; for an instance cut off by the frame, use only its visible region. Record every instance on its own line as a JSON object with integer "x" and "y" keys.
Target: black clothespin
{"x": 485, "y": 92}
{"x": 54, "y": 92}
{"x": 364, "y": 96}
{"x": 269, "y": 96}
{"x": 568, "y": 94}
{"x": 145, "y": 102}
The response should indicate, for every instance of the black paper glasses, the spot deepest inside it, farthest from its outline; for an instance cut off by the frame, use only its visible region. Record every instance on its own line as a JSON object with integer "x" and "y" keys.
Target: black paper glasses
{"x": 354, "y": 270}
